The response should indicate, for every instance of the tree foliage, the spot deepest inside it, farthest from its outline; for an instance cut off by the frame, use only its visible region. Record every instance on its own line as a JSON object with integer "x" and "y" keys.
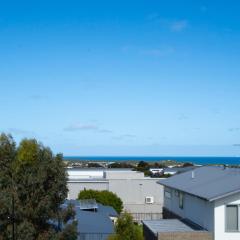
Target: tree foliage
{"x": 126, "y": 229}
{"x": 143, "y": 167}
{"x": 94, "y": 165}
{"x": 188, "y": 164}
{"x": 120, "y": 165}
{"x": 33, "y": 185}
{"x": 103, "y": 197}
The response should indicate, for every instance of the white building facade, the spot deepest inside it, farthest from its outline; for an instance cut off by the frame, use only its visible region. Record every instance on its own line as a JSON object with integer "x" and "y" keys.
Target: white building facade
{"x": 141, "y": 196}
{"x": 227, "y": 218}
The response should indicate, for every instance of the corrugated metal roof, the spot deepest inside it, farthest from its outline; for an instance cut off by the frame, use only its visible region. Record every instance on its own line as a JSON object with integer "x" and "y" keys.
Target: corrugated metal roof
{"x": 210, "y": 183}
{"x": 91, "y": 221}
{"x": 167, "y": 225}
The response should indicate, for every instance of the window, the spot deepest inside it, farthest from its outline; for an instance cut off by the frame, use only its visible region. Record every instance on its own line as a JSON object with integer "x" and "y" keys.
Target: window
{"x": 176, "y": 193}
{"x": 181, "y": 196}
{"x": 232, "y": 218}
{"x": 167, "y": 194}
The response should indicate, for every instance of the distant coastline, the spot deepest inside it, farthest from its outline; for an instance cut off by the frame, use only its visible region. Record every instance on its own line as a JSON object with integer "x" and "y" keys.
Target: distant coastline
{"x": 196, "y": 160}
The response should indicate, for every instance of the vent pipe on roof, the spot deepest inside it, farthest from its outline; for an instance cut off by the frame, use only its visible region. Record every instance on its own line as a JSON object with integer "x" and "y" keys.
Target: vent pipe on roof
{"x": 193, "y": 174}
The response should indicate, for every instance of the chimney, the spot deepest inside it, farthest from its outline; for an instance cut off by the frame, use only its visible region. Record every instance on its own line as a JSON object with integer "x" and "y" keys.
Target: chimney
{"x": 193, "y": 174}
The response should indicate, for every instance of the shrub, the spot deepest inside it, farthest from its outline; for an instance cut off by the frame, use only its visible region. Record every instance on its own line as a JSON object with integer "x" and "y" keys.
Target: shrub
{"x": 104, "y": 197}
{"x": 126, "y": 229}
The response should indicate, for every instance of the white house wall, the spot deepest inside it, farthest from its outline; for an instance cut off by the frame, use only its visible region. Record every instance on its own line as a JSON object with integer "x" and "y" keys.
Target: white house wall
{"x": 220, "y": 207}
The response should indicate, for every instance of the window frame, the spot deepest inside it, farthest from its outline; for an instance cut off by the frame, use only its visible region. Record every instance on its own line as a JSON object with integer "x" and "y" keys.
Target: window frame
{"x": 168, "y": 194}
{"x": 238, "y": 218}
{"x": 176, "y": 193}
{"x": 181, "y": 200}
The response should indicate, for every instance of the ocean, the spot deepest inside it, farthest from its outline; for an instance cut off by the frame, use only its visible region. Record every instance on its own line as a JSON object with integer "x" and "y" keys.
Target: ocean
{"x": 196, "y": 160}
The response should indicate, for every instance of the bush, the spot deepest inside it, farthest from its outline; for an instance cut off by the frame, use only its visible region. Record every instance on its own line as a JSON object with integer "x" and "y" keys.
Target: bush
{"x": 126, "y": 229}
{"x": 143, "y": 165}
{"x": 188, "y": 164}
{"x": 104, "y": 197}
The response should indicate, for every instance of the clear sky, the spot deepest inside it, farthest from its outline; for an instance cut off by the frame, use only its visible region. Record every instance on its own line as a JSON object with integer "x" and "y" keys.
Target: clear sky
{"x": 122, "y": 77}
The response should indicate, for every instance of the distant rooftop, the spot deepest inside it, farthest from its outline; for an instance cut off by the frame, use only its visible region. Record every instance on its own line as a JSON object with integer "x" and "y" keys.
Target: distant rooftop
{"x": 100, "y": 169}
{"x": 210, "y": 183}
{"x": 87, "y": 179}
{"x": 101, "y": 174}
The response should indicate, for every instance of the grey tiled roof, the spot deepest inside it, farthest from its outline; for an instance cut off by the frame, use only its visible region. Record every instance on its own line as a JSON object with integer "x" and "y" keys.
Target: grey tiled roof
{"x": 210, "y": 183}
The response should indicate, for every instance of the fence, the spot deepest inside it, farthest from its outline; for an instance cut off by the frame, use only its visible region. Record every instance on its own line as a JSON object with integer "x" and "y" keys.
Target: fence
{"x": 146, "y": 216}
{"x": 93, "y": 236}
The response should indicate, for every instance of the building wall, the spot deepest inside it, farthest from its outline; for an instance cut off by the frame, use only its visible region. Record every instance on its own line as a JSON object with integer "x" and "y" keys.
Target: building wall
{"x": 195, "y": 209}
{"x": 220, "y": 233}
{"x": 131, "y": 187}
{"x": 135, "y": 190}
{"x": 133, "y": 193}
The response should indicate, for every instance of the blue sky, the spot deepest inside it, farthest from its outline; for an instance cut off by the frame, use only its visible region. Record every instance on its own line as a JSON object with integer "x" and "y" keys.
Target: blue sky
{"x": 122, "y": 77}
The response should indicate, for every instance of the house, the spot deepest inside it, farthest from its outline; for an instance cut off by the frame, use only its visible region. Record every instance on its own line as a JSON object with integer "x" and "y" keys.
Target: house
{"x": 141, "y": 195}
{"x": 206, "y": 199}
{"x": 94, "y": 221}
{"x": 156, "y": 170}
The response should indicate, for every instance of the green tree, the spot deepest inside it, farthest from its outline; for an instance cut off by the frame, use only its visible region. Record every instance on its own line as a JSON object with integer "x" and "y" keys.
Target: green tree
{"x": 188, "y": 164}
{"x": 103, "y": 197}
{"x": 143, "y": 167}
{"x": 33, "y": 185}
{"x": 126, "y": 229}
{"x": 120, "y": 165}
